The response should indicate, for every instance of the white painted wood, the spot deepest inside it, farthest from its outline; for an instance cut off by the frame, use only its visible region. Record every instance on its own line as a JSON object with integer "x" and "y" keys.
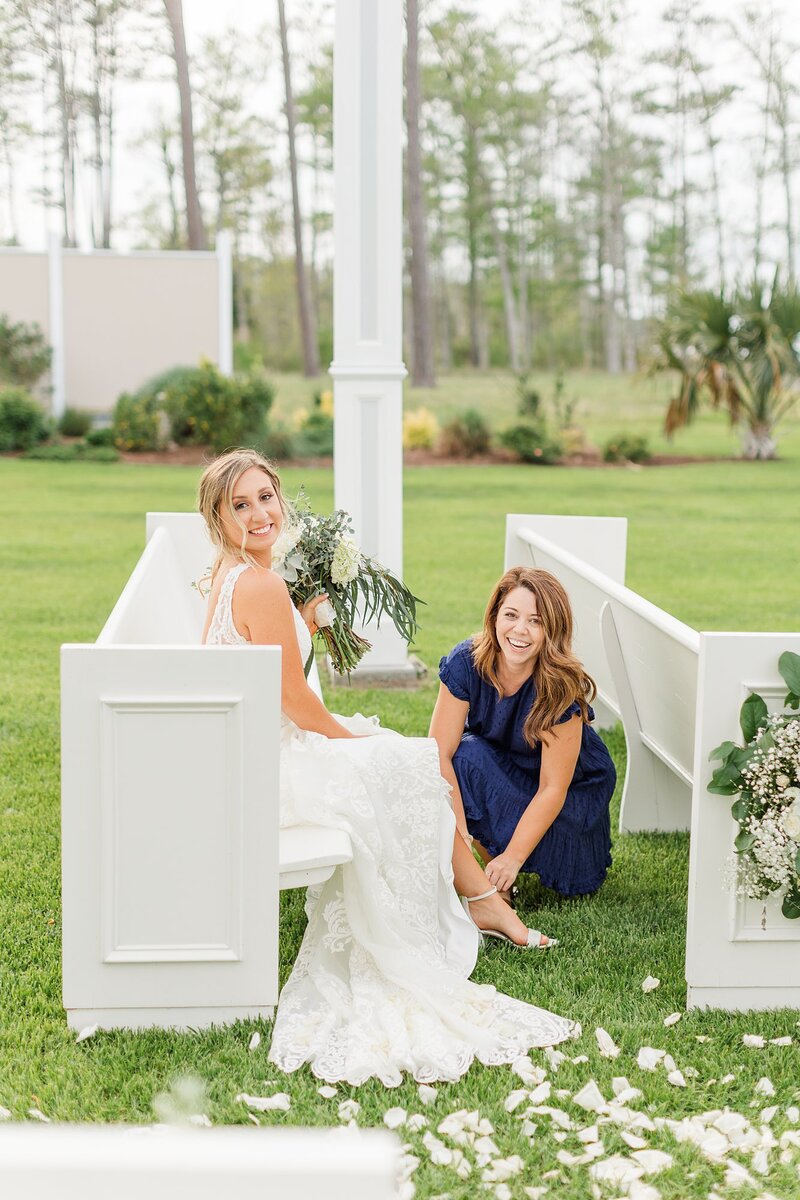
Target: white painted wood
{"x": 368, "y": 369}
{"x": 172, "y": 855}
{"x": 643, "y": 660}
{"x": 739, "y": 954}
{"x": 84, "y": 1162}
{"x": 224, "y": 252}
{"x": 55, "y": 332}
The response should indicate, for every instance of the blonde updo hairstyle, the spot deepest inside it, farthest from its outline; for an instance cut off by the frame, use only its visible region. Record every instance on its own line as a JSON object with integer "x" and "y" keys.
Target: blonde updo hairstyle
{"x": 215, "y": 493}
{"x": 559, "y": 678}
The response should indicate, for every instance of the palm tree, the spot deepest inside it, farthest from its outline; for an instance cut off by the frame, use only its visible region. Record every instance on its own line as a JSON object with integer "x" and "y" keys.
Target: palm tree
{"x": 742, "y": 353}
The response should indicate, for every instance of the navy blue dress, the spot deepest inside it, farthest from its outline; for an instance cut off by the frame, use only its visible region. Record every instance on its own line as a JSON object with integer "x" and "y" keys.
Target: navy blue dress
{"x": 498, "y": 774}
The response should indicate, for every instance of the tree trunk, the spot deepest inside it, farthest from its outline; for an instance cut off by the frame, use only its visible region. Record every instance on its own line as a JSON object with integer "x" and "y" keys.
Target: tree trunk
{"x": 758, "y": 442}
{"x": 194, "y": 217}
{"x": 308, "y": 331}
{"x": 422, "y": 365}
{"x": 509, "y": 299}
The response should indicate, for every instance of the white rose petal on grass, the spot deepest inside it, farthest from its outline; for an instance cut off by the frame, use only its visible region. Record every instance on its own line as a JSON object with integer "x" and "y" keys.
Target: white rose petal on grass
{"x": 87, "y": 1032}
{"x": 441, "y": 1156}
{"x": 630, "y": 1093}
{"x": 668, "y": 1063}
{"x": 727, "y": 1079}
{"x": 793, "y": 1114}
{"x": 280, "y": 1102}
{"x": 768, "y": 1113}
{"x": 527, "y": 1128}
{"x": 502, "y": 1192}
{"x": 754, "y": 1041}
{"x": 648, "y": 1058}
{"x": 5, "y": 1113}
{"x": 765, "y": 1087}
{"x": 327, "y": 1092}
{"x": 514, "y": 1099}
{"x": 652, "y": 1161}
{"x": 650, "y": 983}
{"x": 632, "y": 1139}
{"x": 541, "y": 1093}
{"x": 255, "y": 1041}
{"x": 591, "y": 1098}
{"x": 672, "y": 1019}
{"x": 427, "y": 1094}
{"x": 781, "y": 1041}
{"x": 393, "y": 1118}
{"x": 416, "y": 1122}
{"x": 348, "y": 1109}
{"x": 485, "y": 1145}
{"x": 608, "y": 1047}
{"x": 502, "y": 1169}
{"x": 559, "y": 1135}
{"x": 535, "y": 1193}
{"x": 639, "y": 1190}
{"x": 617, "y": 1171}
{"x": 38, "y": 1115}
{"x": 580, "y": 1058}
{"x": 676, "y": 1078}
{"x": 554, "y": 1057}
{"x": 590, "y": 1134}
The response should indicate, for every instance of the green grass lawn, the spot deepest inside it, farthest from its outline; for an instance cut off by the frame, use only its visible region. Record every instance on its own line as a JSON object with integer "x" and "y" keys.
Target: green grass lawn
{"x": 717, "y": 545}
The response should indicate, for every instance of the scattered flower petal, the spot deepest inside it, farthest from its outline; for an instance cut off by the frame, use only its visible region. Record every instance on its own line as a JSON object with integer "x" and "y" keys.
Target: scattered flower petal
{"x": 485, "y": 1145}
{"x": 580, "y": 1058}
{"x": 672, "y": 1019}
{"x": 280, "y": 1102}
{"x": 502, "y": 1169}
{"x": 765, "y": 1086}
{"x": 608, "y": 1047}
{"x": 527, "y": 1128}
{"x": 754, "y": 1041}
{"x": 632, "y": 1139}
{"x": 534, "y": 1193}
{"x": 541, "y": 1093}
{"x": 554, "y": 1057}
{"x": 668, "y": 1063}
{"x": 514, "y": 1099}
{"x": 427, "y": 1094}
{"x": 441, "y": 1155}
{"x": 86, "y": 1033}
{"x": 639, "y": 1190}
{"x": 38, "y": 1115}
{"x": 255, "y": 1041}
{"x": 416, "y": 1122}
{"x": 768, "y": 1113}
{"x": 348, "y": 1110}
{"x": 650, "y": 983}
{"x": 793, "y": 1114}
{"x": 648, "y": 1058}
{"x": 676, "y": 1078}
{"x": 502, "y": 1192}
{"x": 727, "y": 1079}
{"x": 5, "y": 1113}
{"x": 616, "y": 1170}
{"x": 591, "y": 1098}
{"x": 327, "y": 1092}
{"x": 630, "y": 1093}
{"x": 590, "y": 1134}
{"x": 652, "y": 1160}
{"x": 393, "y": 1118}
{"x": 780, "y": 1041}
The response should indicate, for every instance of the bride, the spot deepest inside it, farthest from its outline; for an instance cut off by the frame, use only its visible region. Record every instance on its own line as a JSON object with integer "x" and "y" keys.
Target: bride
{"x": 381, "y": 983}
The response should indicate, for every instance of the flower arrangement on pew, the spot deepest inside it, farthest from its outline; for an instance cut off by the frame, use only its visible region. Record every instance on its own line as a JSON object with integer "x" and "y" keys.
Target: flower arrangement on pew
{"x": 315, "y": 554}
{"x": 765, "y": 773}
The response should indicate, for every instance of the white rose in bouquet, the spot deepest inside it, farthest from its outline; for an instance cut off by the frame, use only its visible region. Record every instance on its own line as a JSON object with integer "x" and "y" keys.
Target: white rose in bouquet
{"x": 791, "y": 817}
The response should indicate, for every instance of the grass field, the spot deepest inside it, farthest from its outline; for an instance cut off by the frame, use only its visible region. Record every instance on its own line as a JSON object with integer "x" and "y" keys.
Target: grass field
{"x": 717, "y": 545}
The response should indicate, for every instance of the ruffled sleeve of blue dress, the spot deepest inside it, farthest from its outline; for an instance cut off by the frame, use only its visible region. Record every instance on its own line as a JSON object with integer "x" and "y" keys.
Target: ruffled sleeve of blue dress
{"x": 498, "y": 775}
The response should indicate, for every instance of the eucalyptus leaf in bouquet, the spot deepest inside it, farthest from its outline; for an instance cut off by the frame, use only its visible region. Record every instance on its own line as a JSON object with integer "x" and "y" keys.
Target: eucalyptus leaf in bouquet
{"x": 317, "y": 554}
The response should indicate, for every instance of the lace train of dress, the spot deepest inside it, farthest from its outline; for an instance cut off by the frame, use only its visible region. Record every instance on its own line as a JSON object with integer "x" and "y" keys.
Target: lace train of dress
{"x": 380, "y": 985}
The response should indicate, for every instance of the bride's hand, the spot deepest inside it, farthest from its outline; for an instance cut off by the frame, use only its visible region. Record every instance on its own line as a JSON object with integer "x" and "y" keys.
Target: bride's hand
{"x": 308, "y": 610}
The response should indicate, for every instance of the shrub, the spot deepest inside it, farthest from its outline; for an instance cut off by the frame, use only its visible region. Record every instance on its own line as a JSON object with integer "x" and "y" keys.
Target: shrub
{"x": 315, "y": 439}
{"x": 279, "y": 443}
{"x": 532, "y": 442}
{"x": 207, "y": 408}
{"x": 465, "y": 436}
{"x": 73, "y": 452}
{"x": 74, "y": 422}
{"x": 100, "y": 437}
{"x": 627, "y": 447}
{"x": 22, "y": 422}
{"x": 420, "y": 430}
{"x": 137, "y": 424}
{"x": 324, "y": 402}
{"x": 24, "y": 354}
{"x": 528, "y": 399}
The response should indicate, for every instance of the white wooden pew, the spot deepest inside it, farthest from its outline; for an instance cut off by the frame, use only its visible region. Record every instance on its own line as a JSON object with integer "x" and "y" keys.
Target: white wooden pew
{"x": 678, "y": 694}
{"x": 96, "y": 1162}
{"x": 172, "y": 856}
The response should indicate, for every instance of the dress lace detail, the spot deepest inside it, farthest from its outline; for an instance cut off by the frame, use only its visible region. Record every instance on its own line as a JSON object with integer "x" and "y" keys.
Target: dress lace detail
{"x": 380, "y": 985}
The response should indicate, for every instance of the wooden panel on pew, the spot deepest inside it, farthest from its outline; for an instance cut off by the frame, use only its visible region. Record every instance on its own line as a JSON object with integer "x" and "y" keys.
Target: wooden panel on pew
{"x": 740, "y": 954}
{"x": 85, "y": 1162}
{"x": 169, "y": 820}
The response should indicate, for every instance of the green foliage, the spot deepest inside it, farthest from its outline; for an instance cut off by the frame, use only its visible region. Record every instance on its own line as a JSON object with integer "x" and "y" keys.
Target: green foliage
{"x": 532, "y": 442}
{"x": 315, "y": 437}
{"x": 24, "y": 353}
{"x": 137, "y": 423}
{"x": 104, "y": 436}
{"x": 529, "y": 399}
{"x": 626, "y": 447}
{"x": 74, "y": 422}
{"x": 73, "y": 452}
{"x": 279, "y": 443}
{"x": 207, "y": 408}
{"x": 22, "y": 421}
{"x": 467, "y": 435}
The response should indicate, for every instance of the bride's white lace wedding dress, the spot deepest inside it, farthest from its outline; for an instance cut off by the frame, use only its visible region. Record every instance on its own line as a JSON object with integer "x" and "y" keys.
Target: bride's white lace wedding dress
{"x": 380, "y": 985}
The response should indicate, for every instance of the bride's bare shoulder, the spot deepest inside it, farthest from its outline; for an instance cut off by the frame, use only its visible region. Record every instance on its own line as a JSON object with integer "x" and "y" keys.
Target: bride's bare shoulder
{"x": 259, "y": 584}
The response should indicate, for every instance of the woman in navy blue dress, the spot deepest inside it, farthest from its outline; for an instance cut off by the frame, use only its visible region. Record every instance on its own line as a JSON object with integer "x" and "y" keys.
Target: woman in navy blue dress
{"x": 531, "y": 780}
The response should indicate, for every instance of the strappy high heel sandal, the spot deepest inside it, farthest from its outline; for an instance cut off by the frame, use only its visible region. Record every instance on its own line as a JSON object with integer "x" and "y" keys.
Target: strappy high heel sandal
{"x": 535, "y": 936}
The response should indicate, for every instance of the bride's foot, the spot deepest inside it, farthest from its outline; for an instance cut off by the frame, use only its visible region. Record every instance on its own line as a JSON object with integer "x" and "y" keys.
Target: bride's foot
{"x": 493, "y": 915}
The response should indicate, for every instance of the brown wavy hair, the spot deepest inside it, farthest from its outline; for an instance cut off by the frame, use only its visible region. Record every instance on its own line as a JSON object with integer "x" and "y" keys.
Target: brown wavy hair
{"x": 216, "y": 490}
{"x": 559, "y": 678}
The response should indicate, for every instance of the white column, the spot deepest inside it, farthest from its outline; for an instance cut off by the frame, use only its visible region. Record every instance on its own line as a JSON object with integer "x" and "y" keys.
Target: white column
{"x": 368, "y": 370}
{"x": 224, "y": 253}
{"x": 55, "y": 299}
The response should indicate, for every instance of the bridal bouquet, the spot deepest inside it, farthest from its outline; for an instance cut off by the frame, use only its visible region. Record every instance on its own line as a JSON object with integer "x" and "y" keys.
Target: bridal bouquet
{"x": 765, "y": 773}
{"x": 317, "y": 554}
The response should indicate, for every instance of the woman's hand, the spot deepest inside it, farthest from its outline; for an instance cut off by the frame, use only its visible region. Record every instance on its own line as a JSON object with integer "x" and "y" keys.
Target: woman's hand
{"x": 502, "y": 871}
{"x": 308, "y": 610}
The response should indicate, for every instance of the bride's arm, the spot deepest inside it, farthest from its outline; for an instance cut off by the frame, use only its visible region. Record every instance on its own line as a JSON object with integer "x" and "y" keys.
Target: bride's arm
{"x": 263, "y": 612}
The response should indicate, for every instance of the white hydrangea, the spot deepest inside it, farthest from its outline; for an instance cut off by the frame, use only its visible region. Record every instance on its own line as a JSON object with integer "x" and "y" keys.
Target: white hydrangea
{"x": 346, "y": 561}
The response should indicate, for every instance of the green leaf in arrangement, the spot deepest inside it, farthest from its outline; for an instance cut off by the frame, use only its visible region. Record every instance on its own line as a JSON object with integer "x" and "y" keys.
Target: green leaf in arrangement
{"x": 739, "y": 810}
{"x": 723, "y": 751}
{"x": 792, "y": 700}
{"x": 797, "y": 862}
{"x": 753, "y": 713}
{"x": 744, "y": 841}
{"x": 791, "y": 905}
{"x": 789, "y": 667}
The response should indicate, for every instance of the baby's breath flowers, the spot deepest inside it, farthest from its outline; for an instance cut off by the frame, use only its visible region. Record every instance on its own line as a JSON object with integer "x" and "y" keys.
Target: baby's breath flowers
{"x": 765, "y": 773}
{"x": 316, "y": 554}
